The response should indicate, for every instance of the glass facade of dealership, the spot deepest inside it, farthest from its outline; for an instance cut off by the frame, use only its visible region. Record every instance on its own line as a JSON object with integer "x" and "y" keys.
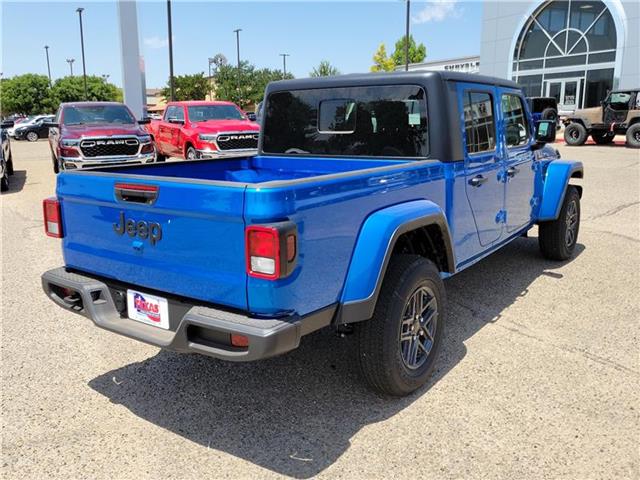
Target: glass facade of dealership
{"x": 574, "y": 50}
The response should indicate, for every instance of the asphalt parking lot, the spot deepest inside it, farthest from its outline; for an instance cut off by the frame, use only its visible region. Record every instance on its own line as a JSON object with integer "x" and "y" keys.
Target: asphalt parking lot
{"x": 539, "y": 376}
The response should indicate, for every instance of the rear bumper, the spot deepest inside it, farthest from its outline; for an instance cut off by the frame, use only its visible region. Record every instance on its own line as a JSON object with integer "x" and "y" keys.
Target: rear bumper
{"x": 200, "y": 330}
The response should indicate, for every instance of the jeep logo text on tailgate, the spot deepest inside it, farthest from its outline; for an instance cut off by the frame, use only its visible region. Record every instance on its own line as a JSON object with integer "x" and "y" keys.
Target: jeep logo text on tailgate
{"x": 144, "y": 230}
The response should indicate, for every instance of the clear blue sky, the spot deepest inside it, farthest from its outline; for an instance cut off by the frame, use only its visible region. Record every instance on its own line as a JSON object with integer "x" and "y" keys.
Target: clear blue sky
{"x": 345, "y": 33}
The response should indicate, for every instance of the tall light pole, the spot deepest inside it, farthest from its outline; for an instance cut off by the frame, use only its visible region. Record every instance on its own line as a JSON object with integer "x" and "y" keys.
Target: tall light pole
{"x": 171, "y": 86}
{"x": 237, "y": 31}
{"x": 284, "y": 64}
{"x": 211, "y": 62}
{"x": 46, "y": 49}
{"x": 406, "y": 38}
{"x": 70, "y": 62}
{"x": 84, "y": 66}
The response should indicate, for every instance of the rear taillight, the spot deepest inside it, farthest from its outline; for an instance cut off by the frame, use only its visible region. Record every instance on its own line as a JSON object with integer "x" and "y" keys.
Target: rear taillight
{"x": 271, "y": 250}
{"x": 52, "y": 217}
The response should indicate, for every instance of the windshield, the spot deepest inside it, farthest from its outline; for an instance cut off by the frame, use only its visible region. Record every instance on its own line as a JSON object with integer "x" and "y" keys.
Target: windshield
{"x": 620, "y": 97}
{"x": 107, "y": 114}
{"x": 203, "y": 113}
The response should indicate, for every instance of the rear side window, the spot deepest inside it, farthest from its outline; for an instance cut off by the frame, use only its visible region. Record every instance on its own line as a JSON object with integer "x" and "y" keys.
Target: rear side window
{"x": 373, "y": 121}
{"x": 479, "y": 122}
{"x": 515, "y": 121}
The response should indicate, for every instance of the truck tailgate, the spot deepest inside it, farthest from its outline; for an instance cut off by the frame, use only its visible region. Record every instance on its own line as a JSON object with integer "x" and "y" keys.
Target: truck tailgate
{"x": 189, "y": 241}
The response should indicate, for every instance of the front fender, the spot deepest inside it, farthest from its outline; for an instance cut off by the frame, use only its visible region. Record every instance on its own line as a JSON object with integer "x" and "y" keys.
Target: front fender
{"x": 556, "y": 180}
{"x": 373, "y": 249}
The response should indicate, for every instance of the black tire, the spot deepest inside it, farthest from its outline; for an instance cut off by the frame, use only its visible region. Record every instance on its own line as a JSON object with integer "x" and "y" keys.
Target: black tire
{"x": 4, "y": 181}
{"x": 603, "y": 138}
{"x": 192, "y": 154}
{"x": 56, "y": 166}
{"x": 633, "y": 136}
{"x": 554, "y": 238}
{"x": 575, "y": 134}
{"x": 10, "y": 164}
{"x": 549, "y": 113}
{"x": 381, "y": 350}
{"x": 32, "y": 136}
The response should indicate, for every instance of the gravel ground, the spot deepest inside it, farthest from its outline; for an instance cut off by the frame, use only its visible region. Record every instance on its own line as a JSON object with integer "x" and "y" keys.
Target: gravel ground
{"x": 538, "y": 377}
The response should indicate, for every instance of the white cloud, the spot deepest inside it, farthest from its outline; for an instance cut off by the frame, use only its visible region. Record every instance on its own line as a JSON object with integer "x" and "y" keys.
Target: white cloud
{"x": 437, "y": 11}
{"x": 156, "y": 42}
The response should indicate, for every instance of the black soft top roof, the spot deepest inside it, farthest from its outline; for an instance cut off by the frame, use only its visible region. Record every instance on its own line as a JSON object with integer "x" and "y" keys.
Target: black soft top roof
{"x": 425, "y": 78}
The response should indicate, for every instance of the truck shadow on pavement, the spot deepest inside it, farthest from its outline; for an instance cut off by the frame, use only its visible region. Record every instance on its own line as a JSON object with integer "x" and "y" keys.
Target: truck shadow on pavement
{"x": 295, "y": 414}
{"x": 16, "y": 182}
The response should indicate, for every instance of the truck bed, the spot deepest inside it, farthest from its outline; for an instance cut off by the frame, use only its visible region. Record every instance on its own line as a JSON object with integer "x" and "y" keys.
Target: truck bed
{"x": 203, "y": 208}
{"x": 258, "y": 169}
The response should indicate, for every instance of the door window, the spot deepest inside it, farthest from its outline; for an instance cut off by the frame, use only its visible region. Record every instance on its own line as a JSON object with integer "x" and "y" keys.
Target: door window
{"x": 570, "y": 91}
{"x": 174, "y": 113}
{"x": 479, "y": 122}
{"x": 515, "y": 120}
{"x": 554, "y": 91}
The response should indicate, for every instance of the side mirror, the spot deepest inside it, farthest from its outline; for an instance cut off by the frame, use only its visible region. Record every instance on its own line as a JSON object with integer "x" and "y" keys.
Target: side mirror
{"x": 7, "y": 124}
{"x": 545, "y": 132}
{"x": 144, "y": 121}
{"x": 51, "y": 124}
{"x": 175, "y": 120}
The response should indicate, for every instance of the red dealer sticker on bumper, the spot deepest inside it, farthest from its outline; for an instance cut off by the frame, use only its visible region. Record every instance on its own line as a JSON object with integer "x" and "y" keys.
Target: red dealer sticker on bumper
{"x": 148, "y": 309}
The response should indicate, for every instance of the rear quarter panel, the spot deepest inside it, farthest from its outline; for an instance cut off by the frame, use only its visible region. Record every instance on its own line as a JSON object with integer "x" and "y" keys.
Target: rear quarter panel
{"x": 329, "y": 215}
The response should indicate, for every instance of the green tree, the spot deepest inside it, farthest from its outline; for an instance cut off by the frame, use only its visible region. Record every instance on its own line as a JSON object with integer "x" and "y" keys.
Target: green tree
{"x": 324, "y": 69}
{"x": 188, "y": 87}
{"x": 417, "y": 53}
{"x": 29, "y": 94}
{"x": 71, "y": 89}
{"x": 381, "y": 62}
{"x": 252, "y": 83}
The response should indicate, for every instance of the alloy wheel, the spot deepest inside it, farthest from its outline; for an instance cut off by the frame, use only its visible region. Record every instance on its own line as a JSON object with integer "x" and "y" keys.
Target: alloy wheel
{"x": 417, "y": 333}
{"x": 572, "y": 224}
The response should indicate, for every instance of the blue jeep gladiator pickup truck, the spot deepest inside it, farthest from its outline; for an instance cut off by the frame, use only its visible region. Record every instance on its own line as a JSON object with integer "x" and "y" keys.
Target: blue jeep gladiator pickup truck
{"x": 367, "y": 191}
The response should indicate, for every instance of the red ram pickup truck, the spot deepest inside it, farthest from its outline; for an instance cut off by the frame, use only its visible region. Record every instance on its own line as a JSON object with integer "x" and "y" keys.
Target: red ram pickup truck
{"x": 90, "y": 134}
{"x": 200, "y": 129}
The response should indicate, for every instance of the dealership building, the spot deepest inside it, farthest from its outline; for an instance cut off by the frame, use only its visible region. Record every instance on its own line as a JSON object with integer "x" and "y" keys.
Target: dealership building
{"x": 572, "y": 50}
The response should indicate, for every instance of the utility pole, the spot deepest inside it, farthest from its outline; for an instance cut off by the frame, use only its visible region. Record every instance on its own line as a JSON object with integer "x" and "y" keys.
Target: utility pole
{"x": 84, "y": 67}
{"x": 46, "y": 49}
{"x": 284, "y": 64}
{"x": 70, "y": 62}
{"x": 406, "y": 38}
{"x": 237, "y": 31}
{"x": 211, "y": 62}
{"x": 171, "y": 86}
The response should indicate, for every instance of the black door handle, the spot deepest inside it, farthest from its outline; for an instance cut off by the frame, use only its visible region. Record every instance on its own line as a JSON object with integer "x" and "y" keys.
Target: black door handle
{"x": 512, "y": 171}
{"x": 477, "y": 181}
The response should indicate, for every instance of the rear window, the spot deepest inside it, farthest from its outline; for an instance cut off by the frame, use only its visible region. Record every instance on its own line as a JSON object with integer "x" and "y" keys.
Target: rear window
{"x": 374, "y": 121}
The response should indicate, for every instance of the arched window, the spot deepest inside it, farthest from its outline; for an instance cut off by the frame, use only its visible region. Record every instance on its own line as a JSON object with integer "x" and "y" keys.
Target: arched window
{"x": 567, "y": 39}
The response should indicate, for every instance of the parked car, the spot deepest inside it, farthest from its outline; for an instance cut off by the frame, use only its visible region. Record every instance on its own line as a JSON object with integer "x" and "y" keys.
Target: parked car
{"x": 199, "y": 129}
{"x": 6, "y": 159}
{"x": 368, "y": 191}
{"x": 543, "y": 108}
{"x": 618, "y": 114}
{"x": 90, "y": 134}
{"x": 33, "y": 131}
{"x": 26, "y": 122}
